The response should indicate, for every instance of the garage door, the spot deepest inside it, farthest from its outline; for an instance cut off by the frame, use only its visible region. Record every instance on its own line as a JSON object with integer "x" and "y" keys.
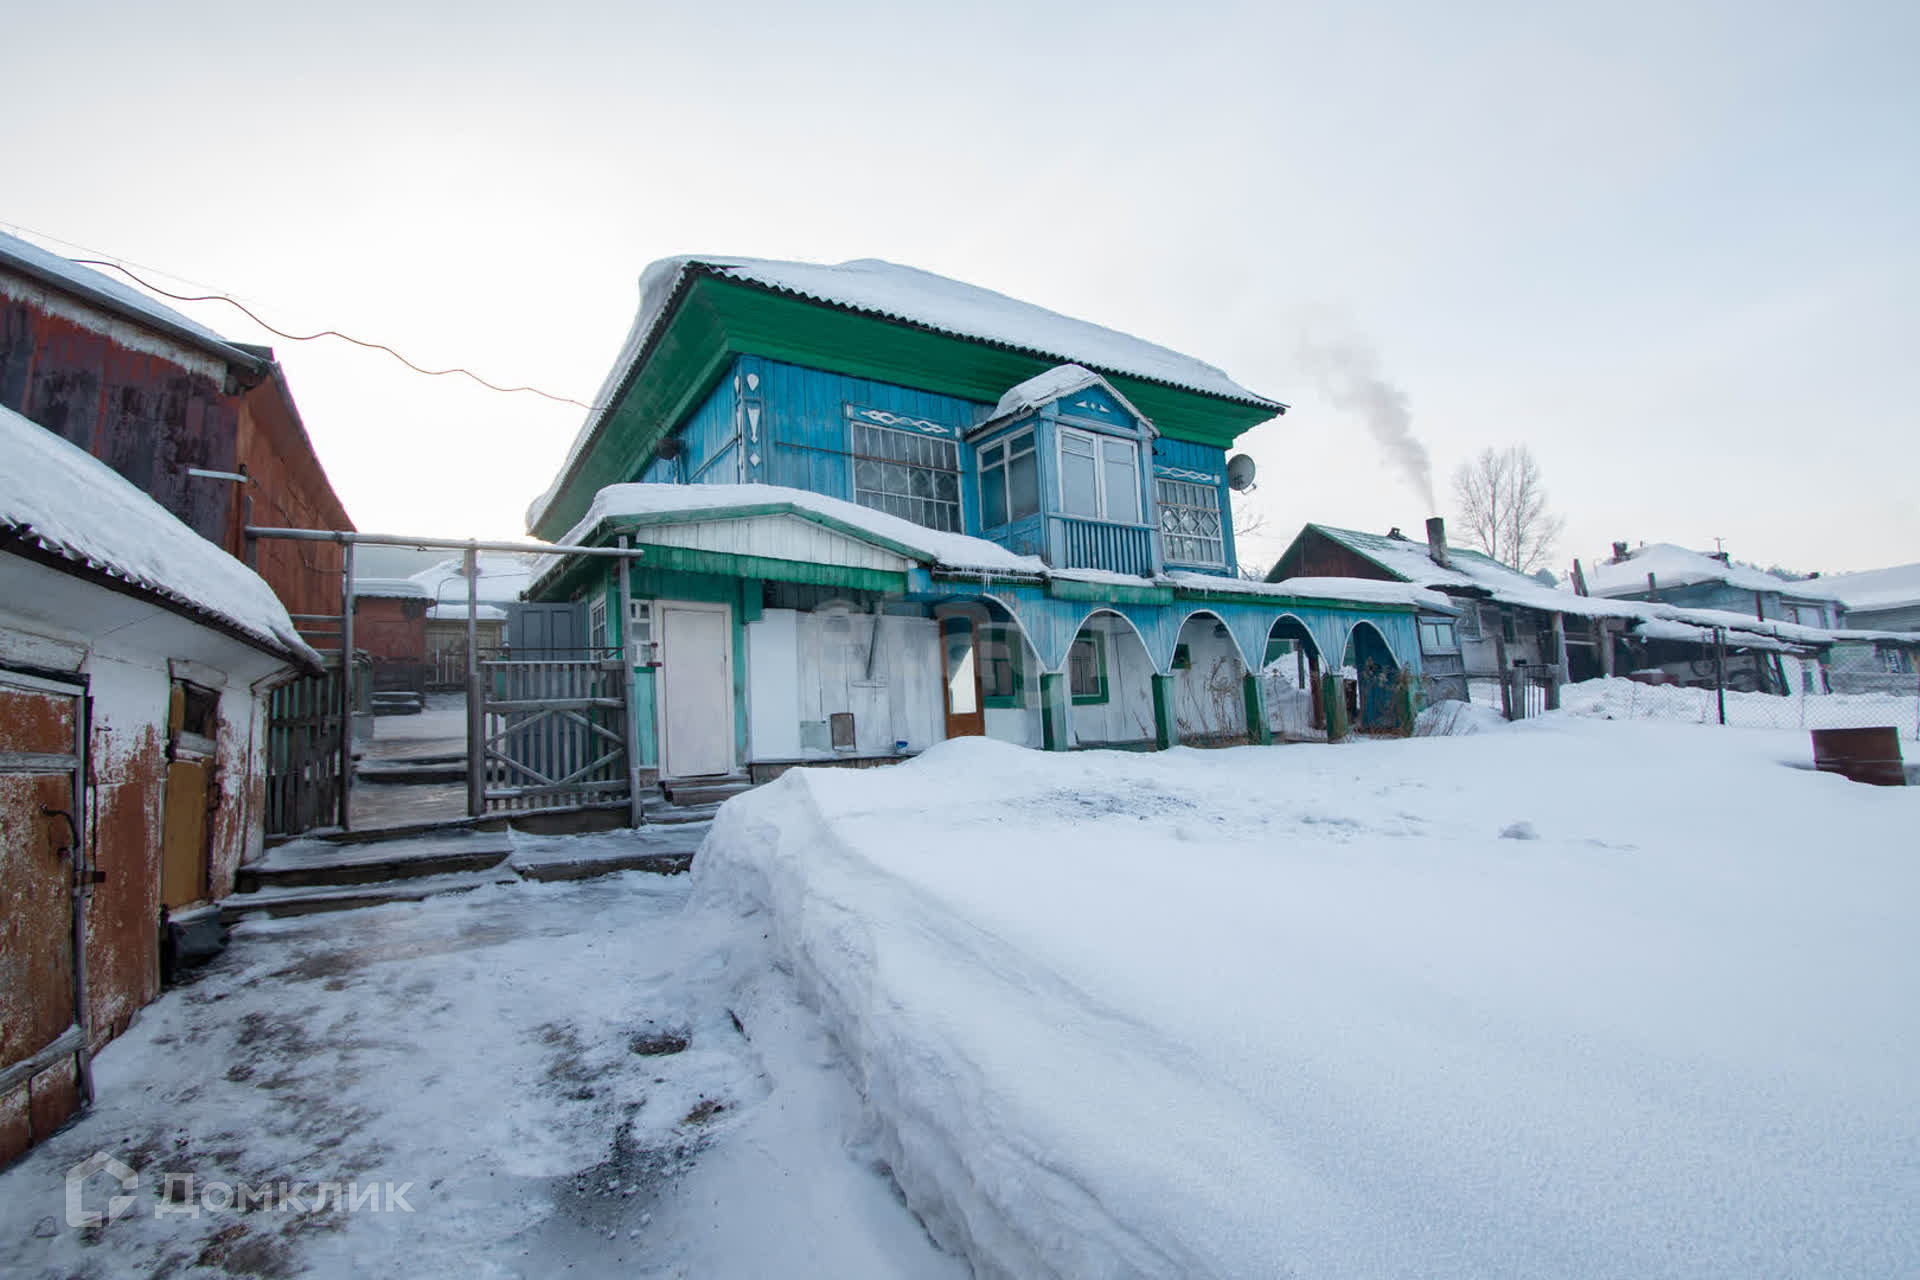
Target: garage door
{"x": 42, "y": 1047}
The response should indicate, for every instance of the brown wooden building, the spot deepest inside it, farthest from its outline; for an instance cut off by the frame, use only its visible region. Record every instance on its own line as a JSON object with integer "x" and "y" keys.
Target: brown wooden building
{"x": 159, "y": 397}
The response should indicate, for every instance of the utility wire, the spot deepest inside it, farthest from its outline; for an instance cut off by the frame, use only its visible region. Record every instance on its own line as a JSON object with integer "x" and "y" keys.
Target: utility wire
{"x": 324, "y": 333}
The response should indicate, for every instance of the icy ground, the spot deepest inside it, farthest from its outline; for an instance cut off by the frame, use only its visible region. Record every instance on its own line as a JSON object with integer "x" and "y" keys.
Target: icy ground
{"x": 1573, "y": 998}
{"x": 556, "y": 1070}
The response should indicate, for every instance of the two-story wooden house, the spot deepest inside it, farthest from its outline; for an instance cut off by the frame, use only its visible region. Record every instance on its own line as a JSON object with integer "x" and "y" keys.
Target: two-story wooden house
{"x": 880, "y": 508}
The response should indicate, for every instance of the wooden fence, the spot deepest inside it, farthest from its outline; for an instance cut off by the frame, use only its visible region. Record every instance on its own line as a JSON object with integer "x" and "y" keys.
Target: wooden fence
{"x": 303, "y": 754}
{"x": 554, "y": 733}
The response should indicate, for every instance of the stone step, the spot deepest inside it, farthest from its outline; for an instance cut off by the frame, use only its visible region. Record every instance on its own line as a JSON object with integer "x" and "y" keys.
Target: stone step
{"x": 319, "y": 863}
{"x": 411, "y": 771}
{"x": 671, "y": 814}
{"x": 302, "y": 900}
{"x": 704, "y": 791}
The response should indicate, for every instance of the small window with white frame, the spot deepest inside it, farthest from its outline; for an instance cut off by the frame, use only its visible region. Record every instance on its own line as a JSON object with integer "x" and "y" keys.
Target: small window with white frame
{"x": 1009, "y": 480}
{"x": 640, "y": 632}
{"x": 1190, "y": 524}
{"x": 1437, "y": 637}
{"x": 597, "y": 623}
{"x": 1099, "y": 477}
{"x": 915, "y": 477}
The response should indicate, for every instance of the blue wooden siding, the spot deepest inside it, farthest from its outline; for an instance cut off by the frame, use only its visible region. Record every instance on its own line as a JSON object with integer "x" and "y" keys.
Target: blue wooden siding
{"x": 768, "y": 422}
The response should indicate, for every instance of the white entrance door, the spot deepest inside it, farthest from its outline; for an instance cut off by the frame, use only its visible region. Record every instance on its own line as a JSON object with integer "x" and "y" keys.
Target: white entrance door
{"x": 696, "y": 690}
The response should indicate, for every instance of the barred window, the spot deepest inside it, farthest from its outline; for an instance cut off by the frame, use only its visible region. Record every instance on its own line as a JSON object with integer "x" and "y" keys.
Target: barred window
{"x": 908, "y": 475}
{"x": 1190, "y": 523}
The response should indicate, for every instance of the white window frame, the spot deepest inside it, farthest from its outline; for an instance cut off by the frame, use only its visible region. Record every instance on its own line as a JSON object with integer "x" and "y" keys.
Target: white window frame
{"x": 907, "y": 506}
{"x": 597, "y": 623}
{"x": 1025, "y": 443}
{"x": 1097, "y": 440}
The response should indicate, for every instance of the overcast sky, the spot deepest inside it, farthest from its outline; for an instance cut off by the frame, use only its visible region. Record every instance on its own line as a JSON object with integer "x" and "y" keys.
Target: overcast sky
{"x": 1671, "y": 246}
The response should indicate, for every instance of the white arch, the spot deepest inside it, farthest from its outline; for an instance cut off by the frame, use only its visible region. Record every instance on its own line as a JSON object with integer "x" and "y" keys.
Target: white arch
{"x": 1099, "y": 609}
{"x": 1231, "y": 638}
{"x": 1398, "y": 661}
{"x": 1306, "y": 630}
{"x": 1020, "y": 624}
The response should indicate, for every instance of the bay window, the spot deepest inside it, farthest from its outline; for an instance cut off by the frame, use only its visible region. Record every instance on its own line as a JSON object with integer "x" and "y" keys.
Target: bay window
{"x": 1009, "y": 480}
{"x": 1099, "y": 477}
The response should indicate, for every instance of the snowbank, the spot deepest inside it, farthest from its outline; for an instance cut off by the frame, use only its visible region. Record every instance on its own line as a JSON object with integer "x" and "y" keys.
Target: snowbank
{"x": 68, "y": 502}
{"x": 1517, "y": 1004}
{"x": 1452, "y": 718}
{"x": 1622, "y": 699}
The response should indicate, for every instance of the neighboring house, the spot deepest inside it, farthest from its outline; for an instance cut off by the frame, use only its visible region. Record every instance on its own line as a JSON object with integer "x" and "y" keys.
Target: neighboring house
{"x": 1876, "y": 600}
{"x": 159, "y": 397}
{"x": 497, "y": 589}
{"x": 390, "y": 627}
{"x": 879, "y": 508}
{"x": 1879, "y": 599}
{"x": 136, "y": 660}
{"x": 1696, "y": 580}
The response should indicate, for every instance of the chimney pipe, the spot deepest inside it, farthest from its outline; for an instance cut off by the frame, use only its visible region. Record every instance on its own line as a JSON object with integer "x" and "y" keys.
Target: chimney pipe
{"x": 1437, "y": 541}
{"x": 1619, "y": 553}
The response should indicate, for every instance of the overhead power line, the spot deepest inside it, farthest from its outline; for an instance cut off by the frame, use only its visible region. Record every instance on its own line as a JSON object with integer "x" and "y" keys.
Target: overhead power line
{"x": 324, "y": 333}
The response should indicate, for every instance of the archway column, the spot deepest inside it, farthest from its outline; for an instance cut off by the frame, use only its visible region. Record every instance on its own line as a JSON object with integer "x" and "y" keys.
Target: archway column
{"x": 1166, "y": 727}
{"x": 1258, "y": 731}
{"x": 1056, "y": 712}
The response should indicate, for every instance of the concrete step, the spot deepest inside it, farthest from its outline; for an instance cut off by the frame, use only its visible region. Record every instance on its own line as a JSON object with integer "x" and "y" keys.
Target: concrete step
{"x": 411, "y": 771}
{"x": 672, "y": 814}
{"x": 322, "y": 863}
{"x": 303, "y": 900}
{"x": 704, "y": 791}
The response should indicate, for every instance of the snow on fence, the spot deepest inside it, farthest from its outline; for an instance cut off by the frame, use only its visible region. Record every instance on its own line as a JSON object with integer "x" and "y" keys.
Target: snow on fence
{"x": 1621, "y": 699}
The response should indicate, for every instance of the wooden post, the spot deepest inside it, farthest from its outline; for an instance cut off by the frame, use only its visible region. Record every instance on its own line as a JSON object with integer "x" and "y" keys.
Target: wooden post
{"x": 1720, "y": 670}
{"x": 476, "y": 717}
{"x": 627, "y": 656}
{"x": 1258, "y": 731}
{"x": 1056, "y": 733}
{"x": 1603, "y": 640}
{"x": 1561, "y": 674}
{"x": 346, "y": 686}
{"x": 1500, "y": 661}
{"x": 1315, "y": 686}
{"x": 1166, "y": 728}
{"x": 1334, "y": 695}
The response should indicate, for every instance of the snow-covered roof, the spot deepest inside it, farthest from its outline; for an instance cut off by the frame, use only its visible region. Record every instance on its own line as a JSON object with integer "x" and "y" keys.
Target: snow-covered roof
{"x": 946, "y": 550}
{"x": 457, "y": 612}
{"x": 1893, "y": 588}
{"x": 62, "y": 273}
{"x": 1674, "y": 566}
{"x": 1045, "y": 388}
{"x": 915, "y": 297}
{"x": 389, "y": 588}
{"x": 66, "y": 502}
{"x": 503, "y": 578}
{"x": 1358, "y": 590}
{"x": 1410, "y": 561}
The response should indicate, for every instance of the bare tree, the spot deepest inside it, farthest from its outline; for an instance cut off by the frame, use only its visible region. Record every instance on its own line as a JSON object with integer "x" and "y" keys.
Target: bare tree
{"x": 1502, "y": 507}
{"x": 1247, "y": 521}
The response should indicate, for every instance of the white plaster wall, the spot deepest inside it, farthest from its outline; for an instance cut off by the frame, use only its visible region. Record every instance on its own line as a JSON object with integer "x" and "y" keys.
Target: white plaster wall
{"x": 830, "y": 665}
{"x": 1209, "y": 697}
{"x": 1127, "y": 714}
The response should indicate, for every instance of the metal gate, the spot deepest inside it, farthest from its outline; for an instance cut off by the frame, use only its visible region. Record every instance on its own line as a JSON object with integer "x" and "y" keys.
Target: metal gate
{"x": 552, "y": 735}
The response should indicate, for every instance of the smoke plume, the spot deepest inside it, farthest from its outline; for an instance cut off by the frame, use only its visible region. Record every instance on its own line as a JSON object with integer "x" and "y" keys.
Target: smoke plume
{"x": 1347, "y": 370}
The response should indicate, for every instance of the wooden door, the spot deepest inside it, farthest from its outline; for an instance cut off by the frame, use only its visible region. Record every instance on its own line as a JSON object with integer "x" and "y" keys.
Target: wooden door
{"x": 41, "y": 726}
{"x": 966, "y": 717}
{"x": 185, "y": 841}
{"x": 695, "y": 690}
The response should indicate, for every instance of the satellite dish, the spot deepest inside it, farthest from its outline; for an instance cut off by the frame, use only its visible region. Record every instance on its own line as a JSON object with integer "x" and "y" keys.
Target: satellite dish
{"x": 1240, "y": 473}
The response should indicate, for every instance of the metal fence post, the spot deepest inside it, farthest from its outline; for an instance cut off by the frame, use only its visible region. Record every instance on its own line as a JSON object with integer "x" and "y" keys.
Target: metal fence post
{"x": 346, "y": 687}
{"x": 631, "y": 732}
{"x": 476, "y": 718}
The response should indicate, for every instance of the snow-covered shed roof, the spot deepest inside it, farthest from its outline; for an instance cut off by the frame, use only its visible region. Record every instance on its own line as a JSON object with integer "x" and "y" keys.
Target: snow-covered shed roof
{"x": 64, "y": 502}
{"x": 912, "y": 296}
{"x": 1675, "y": 566}
{"x": 1893, "y": 588}
{"x": 503, "y": 578}
{"x": 50, "y": 268}
{"x": 456, "y": 611}
{"x": 945, "y": 550}
{"x": 389, "y": 589}
{"x": 1357, "y": 590}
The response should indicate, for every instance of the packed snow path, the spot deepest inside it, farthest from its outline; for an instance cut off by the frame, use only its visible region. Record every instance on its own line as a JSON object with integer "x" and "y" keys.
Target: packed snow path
{"x": 556, "y": 1070}
{"x": 1571, "y": 998}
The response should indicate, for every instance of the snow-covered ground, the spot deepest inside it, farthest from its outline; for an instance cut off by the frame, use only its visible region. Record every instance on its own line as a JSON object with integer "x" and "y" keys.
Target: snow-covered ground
{"x": 515, "y": 1055}
{"x": 1570, "y": 998}
{"x": 1623, "y": 699}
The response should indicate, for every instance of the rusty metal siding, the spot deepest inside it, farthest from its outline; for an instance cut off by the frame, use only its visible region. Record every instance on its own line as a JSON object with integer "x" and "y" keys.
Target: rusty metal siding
{"x": 143, "y": 415}
{"x": 289, "y": 490}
